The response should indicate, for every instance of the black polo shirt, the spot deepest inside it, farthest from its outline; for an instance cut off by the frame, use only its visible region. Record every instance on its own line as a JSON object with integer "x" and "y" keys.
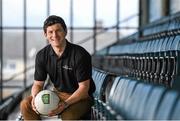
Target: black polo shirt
{"x": 65, "y": 72}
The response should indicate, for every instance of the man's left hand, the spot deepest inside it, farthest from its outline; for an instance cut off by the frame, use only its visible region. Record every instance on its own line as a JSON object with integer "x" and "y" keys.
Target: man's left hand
{"x": 58, "y": 110}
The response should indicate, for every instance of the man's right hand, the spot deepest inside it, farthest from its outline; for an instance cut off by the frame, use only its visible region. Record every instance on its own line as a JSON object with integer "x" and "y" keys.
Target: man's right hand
{"x": 36, "y": 88}
{"x": 33, "y": 105}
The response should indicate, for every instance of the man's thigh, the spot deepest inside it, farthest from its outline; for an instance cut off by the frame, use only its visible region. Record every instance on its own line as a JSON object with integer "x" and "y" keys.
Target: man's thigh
{"x": 77, "y": 110}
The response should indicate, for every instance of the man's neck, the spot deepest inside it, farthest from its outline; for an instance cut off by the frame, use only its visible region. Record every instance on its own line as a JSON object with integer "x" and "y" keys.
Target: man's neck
{"x": 60, "y": 49}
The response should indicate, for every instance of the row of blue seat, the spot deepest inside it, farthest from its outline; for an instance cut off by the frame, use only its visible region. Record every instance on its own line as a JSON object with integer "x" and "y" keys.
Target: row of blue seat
{"x": 153, "y": 45}
{"x": 133, "y": 99}
{"x": 146, "y": 66}
{"x": 155, "y": 60}
{"x": 167, "y": 25}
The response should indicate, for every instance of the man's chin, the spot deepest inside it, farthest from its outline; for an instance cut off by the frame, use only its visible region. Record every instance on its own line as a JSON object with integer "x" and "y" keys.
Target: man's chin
{"x": 55, "y": 44}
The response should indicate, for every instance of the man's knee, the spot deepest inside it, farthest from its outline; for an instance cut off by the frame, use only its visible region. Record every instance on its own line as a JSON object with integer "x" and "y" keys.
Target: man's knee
{"x": 27, "y": 111}
{"x": 77, "y": 110}
{"x": 69, "y": 116}
{"x": 25, "y": 103}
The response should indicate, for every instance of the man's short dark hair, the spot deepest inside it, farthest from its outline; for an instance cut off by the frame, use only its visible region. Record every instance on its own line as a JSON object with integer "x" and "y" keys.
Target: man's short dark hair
{"x": 53, "y": 19}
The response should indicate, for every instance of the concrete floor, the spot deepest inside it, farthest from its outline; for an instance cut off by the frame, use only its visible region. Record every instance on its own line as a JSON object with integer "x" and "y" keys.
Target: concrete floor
{"x": 14, "y": 115}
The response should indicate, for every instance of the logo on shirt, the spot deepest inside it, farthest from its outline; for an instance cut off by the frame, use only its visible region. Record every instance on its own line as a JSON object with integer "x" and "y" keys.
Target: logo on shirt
{"x": 66, "y": 67}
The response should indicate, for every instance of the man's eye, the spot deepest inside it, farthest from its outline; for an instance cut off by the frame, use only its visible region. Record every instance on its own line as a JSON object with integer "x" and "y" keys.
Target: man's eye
{"x": 61, "y": 30}
{"x": 50, "y": 32}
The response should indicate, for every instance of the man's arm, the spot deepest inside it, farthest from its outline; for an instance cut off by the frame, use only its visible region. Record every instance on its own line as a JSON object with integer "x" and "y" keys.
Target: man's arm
{"x": 37, "y": 87}
{"x": 80, "y": 93}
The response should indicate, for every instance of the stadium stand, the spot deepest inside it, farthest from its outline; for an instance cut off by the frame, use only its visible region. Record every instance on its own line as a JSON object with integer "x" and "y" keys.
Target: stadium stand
{"x": 153, "y": 57}
{"x": 146, "y": 85}
{"x": 131, "y": 99}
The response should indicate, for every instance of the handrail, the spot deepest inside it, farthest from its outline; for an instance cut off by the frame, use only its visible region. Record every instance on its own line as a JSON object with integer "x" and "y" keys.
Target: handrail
{"x": 17, "y": 74}
{"x": 111, "y": 27}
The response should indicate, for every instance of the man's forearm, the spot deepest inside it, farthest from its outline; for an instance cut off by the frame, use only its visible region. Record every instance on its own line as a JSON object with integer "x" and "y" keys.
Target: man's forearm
{"x": 79, "y": 94}
{"x": 35, "y": 89}
{"x": 76, "y": 96}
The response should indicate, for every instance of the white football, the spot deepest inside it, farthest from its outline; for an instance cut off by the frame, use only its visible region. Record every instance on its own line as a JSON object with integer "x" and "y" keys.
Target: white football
{"x": 45, "y": 101}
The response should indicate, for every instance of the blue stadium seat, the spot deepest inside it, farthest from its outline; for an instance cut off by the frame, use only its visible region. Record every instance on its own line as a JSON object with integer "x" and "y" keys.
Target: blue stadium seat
{"x": 166, "y": 105}
{"x": 113, "y": 88}
{"x": 119, "y": 90}
{"x": 101, "y": 79}
{"x": 153, "y": 102}
{"x": 131, "y": 87}
{"x": 141, "y": 100}
{"x": 176, "y": 110}
{"x": 159, "y": 60}
{"x": 135, "y": 101}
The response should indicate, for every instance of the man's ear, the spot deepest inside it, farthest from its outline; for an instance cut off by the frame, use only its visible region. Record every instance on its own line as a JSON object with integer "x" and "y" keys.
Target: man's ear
{"x": 65, "y": 32}
{"x": 45, "y": 34}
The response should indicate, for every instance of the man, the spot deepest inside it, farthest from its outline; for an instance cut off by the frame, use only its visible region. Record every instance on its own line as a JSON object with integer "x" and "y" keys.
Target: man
{"x": 69, "y": 68}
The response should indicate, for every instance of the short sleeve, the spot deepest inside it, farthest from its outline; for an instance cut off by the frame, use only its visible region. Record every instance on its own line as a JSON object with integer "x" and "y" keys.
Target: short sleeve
{"x": 40, "y": 69}
{"x": 83, "y": 67}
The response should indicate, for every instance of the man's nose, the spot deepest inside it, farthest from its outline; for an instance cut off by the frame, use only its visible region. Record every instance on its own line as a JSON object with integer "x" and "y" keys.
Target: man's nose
{"x": 55, "y": 34}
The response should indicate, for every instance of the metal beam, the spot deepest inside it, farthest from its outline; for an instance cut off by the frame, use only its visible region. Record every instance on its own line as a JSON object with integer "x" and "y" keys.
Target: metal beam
{"x": 48, "y": 7}
{"x": 117, "y": 19}
{"x": 25, "y": 43}
{"x": 71, "y": 21}
{"x": 1, "y": 54}
{"x": 94, "y": 30}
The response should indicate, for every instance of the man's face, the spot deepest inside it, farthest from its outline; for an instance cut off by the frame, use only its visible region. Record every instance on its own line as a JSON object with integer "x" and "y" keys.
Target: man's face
{"x": 55, "y": 35}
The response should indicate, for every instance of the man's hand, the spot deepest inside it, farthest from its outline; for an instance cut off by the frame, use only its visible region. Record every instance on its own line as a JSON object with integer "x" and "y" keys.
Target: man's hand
{"x": 33, "y": 106}
{"x": 59, "y": 109}
{"x": 36, "y": 88}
